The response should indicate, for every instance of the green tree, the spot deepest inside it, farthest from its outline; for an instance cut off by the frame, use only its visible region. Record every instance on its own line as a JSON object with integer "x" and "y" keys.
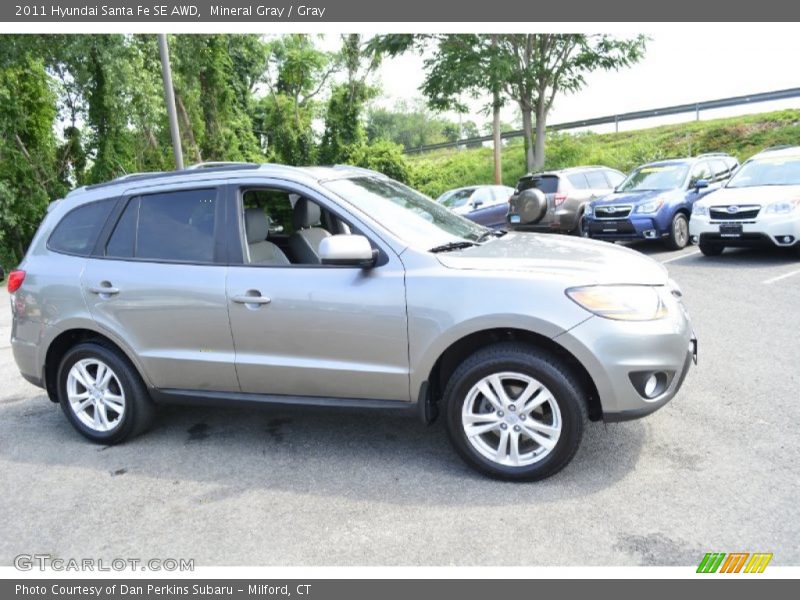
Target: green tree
{"x": 537, "y": 67}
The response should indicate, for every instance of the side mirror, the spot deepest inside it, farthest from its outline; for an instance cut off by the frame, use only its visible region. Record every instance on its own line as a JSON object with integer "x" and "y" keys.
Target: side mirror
{"x": 700, "y": 184}
{"x": 477, "y": 203}
{"x": 347, "y": 250}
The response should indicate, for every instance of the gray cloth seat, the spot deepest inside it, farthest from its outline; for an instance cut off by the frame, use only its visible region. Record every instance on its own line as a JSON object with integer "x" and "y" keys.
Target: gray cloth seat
{"x": 304, "y": 242}
{"x": 261, "y": 251}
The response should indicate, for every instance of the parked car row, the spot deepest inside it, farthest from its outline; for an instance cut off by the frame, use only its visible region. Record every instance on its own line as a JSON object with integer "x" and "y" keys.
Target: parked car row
{"x": 707, "y": 199}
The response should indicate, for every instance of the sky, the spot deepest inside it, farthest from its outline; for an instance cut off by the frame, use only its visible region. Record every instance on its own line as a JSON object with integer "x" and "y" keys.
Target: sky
{"x": 678, "y": 68}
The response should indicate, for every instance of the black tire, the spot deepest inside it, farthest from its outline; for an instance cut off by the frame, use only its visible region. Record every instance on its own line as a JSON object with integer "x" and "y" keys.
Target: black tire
{"x": 678, "y": 237}
{"x": 578, "y": 230}
{"x": 139, "y": 409}
{"x": 542, "y": 366}
{"x": 710, "y": 249}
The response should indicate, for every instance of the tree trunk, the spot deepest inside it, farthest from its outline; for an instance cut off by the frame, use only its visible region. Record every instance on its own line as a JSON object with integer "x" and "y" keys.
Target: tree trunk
{"x": 527, "y": 130}
{"x": 538, "y": 152}
{"x": 498, "y": 142}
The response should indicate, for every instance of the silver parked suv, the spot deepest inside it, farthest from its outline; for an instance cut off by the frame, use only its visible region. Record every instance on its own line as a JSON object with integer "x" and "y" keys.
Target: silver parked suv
{"x": 339, "y": 287}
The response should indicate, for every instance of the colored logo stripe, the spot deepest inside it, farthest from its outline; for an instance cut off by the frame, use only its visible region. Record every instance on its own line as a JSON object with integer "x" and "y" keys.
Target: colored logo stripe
{"x": 711, "y": 562}
{"x": 734, "y": 562}
{"x": 758, "y": 562}
{"x": 717, "y": 561}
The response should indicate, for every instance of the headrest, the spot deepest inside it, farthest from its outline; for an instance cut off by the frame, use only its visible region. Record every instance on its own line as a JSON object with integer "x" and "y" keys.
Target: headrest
{"x": 256, "y": 225}
{"x": 305, "y": 214}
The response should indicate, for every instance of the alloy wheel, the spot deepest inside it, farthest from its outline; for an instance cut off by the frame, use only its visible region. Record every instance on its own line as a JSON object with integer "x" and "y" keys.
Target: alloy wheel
{"x": 95, "y": 395}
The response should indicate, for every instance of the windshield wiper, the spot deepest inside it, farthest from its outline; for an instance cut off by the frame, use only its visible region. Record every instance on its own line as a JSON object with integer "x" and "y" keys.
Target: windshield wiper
{"x": 453, "y": 246}
{"x": 491, "y": 233}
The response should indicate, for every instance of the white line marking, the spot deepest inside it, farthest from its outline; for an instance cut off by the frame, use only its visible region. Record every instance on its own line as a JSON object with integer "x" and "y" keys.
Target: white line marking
{"x": 779, "y": 277}
{"x": 674, "y": 258}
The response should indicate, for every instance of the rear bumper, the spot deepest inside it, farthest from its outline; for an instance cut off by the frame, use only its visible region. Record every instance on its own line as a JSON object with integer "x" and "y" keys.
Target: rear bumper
{"x": 617, "y": 354}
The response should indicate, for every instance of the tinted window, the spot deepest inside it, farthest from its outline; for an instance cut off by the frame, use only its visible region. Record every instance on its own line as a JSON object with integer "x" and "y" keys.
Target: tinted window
{"x": 173, "y": 226}
{"x": 78, "y": 230}
{"x": 597, "y": 180}
{"x": 548, "y": 184}
{"x": 578, "y": 181}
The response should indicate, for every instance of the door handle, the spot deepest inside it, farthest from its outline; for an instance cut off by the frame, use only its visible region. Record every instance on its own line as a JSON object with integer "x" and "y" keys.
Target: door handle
{"x": 104, "y": 290}
{"x": 251, "y": 297}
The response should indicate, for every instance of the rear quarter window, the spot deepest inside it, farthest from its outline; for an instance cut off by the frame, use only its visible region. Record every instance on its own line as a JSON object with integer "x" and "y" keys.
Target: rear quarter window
{"x": 78, "y": 230}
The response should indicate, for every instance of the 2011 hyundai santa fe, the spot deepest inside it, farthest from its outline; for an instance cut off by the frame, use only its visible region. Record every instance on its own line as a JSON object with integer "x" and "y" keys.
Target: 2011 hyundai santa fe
{"x": 338, "y": 286}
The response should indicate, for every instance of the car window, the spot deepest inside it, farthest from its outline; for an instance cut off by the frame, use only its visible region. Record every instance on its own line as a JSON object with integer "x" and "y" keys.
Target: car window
{"x": 700, "y": 171}
{"x": 578, "y": 181}
{"x": 775, "y": 170}
{"x": 596, "y": 179}
{"x": 172, "y": 226}
{"x": 483, "y": 195}
{"x": 78, "y": 231}
{"x": 614, "y": 178}
{"x": 547, "y": 184}
{"x": 277, "y": 204}
{"x": 721, "y": 170}
{"x": 456, "y": 198}
{"x": 657, "y": 177}
{"x": 502, "y": 193}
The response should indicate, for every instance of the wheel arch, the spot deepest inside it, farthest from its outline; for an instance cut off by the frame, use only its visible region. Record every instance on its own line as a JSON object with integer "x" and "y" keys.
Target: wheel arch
{"x": 467, "y": 345}
{"x": 71, "y": 337}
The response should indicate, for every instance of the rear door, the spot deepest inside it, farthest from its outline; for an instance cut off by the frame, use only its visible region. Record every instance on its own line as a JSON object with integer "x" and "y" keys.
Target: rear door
{"x": 158, "y": 282}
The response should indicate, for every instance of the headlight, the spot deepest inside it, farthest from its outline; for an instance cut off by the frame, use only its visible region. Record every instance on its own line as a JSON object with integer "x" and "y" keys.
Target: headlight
{"x": 650, "y": 207}
{"x": 778, "y": 208}
{"x": 620, "y": 302}
{"x": 700, "y": 209}
{"x": 588, "y": 211}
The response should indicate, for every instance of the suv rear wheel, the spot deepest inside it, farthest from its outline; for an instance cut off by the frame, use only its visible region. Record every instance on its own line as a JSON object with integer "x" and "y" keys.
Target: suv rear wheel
{"x": 514, "y": 412}
{"x": 102, "y": 395}
{"x": 678, "y": 232}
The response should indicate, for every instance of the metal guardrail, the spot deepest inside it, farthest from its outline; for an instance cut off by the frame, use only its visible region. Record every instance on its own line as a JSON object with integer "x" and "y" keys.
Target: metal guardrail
{"x": 677, "y": 109}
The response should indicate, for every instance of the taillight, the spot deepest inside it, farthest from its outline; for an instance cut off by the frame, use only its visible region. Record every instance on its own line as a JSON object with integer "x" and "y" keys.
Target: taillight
{"x": 559, "y": 198}
{"x": 15, "y": 279}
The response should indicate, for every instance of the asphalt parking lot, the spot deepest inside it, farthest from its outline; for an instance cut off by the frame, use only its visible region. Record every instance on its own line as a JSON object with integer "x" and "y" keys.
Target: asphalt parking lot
{"x": 718, "y": 469}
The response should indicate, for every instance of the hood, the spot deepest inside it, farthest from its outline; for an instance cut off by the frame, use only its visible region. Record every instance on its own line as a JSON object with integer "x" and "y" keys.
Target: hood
{"x": 581, "y": 261}
{"x": 631, "y": 197}
{"x": 760, "y": 195}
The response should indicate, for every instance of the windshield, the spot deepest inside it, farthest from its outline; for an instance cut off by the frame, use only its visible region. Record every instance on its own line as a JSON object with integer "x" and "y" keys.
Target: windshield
{"x": 455, "y": 198}
{"x": 768, "y": 171}
{"x": 654, "y": 178}
{"x": 408, "y": 214}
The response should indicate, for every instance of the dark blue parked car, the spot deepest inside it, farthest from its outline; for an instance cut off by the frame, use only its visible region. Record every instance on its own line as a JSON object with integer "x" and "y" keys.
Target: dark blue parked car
{"x": 484, "y": 204}
{"x": 655, "y": 201}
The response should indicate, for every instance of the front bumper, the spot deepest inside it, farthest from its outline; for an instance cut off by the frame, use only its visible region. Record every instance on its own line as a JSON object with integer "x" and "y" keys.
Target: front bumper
{"x": 615, "y": 353}
{"x": 775, "y": 230}
{"x": 633, "y": 227}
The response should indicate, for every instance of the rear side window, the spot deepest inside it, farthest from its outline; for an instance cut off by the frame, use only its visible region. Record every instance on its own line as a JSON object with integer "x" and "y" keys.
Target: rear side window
{"x": 597, "y": 180}
{"x": 578, "y": 181}
{"x": 614, "y": 178}
{"x": 78, "y": 231}
{"x": 547, "y": 184}
{"x": 173, "y": 226}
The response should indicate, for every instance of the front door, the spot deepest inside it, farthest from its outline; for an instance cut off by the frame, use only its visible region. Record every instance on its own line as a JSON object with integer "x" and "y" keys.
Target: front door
{"x": 306, "y": 329}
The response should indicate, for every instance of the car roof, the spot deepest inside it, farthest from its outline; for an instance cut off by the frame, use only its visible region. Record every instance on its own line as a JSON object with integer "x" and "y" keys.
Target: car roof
{"x": 220, "y": 170}
{"x": 778, "y": 152}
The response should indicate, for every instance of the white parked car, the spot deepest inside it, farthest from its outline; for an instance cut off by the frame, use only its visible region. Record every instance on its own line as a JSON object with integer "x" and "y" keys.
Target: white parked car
{"x": 760, "y": 205}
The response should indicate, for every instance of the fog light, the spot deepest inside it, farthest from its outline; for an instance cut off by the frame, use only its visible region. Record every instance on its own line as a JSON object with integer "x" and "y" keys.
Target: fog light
{"x": 651, "y": 385}
{"x": 787, "y": 239}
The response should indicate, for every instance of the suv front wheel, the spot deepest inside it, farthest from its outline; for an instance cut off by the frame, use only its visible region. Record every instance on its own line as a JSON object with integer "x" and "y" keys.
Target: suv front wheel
{"x": 102, "y": 395}
{"x": 514, "y": 412}
{"x": 678, "y": 237}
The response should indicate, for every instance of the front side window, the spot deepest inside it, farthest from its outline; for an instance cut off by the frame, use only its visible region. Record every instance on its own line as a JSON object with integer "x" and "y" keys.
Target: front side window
{"x": 456, "y": 198}
{"x": 701, "y": 171}
{"x": 78, "y": 231}
{"x": 654, "y": 178}
{"x": 172, "y": 226}
{"x": 408, "y": 214}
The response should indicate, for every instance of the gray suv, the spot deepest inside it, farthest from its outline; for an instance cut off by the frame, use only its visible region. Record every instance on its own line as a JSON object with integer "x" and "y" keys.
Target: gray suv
{"x": 269, "y": 284}
{"x": 555, "y": 200}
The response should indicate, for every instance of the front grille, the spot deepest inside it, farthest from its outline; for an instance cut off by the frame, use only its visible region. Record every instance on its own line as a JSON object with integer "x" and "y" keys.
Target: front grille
{"x": 611, "y": 212}
{"x": 739, "y": 213}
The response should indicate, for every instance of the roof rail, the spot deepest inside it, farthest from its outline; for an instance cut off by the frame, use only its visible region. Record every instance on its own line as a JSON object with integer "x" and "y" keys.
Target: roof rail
{"x": 778, "y": 147}
{"x": 216, "y": 164}
{"x": 704, "y": 154}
